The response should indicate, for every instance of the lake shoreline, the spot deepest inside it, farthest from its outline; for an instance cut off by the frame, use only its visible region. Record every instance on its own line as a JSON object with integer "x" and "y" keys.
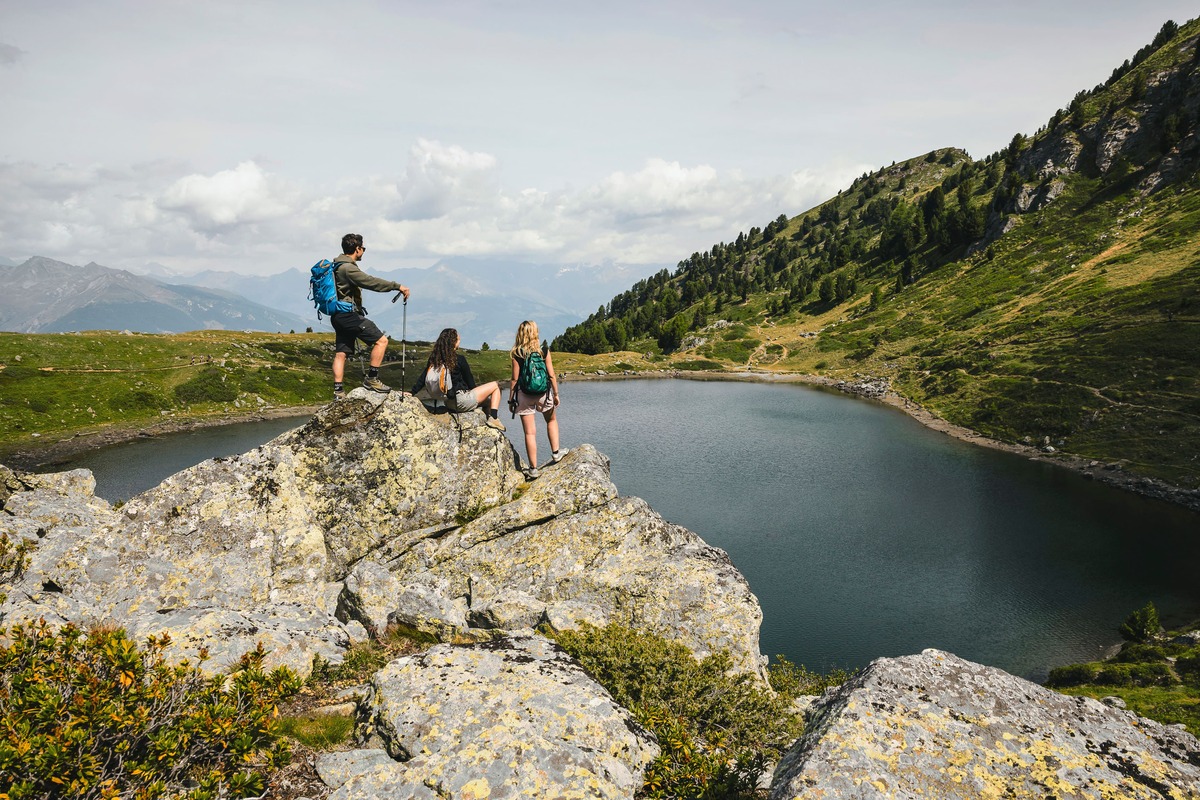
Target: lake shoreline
{"x": 1107, "y": 473}
{"x": 58, "y": 452}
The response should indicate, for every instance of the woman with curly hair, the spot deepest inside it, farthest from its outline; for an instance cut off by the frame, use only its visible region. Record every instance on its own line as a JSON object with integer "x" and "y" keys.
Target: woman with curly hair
{"x": 457, "y": 385}
{"x": 525, "y": 405}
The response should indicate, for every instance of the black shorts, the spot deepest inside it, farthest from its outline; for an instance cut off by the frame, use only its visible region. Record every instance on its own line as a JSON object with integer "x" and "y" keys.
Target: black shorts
{"x": 350, "y": 325}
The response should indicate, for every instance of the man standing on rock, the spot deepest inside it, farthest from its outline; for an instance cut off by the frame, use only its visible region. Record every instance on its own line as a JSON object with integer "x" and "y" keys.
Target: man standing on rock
{"x": 353, "y": 325}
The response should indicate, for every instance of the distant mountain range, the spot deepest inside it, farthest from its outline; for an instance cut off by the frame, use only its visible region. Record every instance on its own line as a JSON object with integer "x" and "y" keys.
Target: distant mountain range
{"x": 485, "y": 300}
{"x": 47, "y": 296}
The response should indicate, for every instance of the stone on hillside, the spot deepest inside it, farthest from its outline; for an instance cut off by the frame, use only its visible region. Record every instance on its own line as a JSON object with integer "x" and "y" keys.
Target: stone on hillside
{"x": 1115, "y": 137}
{"x": 335, "y": 769}
{"x": 936, "y": 726}
{"x": 516, "y": 717}
{"x": 1189, "y": 639}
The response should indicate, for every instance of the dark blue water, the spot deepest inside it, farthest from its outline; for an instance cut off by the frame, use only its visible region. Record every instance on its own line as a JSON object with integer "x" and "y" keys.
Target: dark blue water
{"x": 862, "y": 533}
{"x": 865, "y": 534}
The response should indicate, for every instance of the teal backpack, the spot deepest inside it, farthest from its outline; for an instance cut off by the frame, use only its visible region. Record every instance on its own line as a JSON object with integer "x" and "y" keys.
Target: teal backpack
{"x": 533, "y": 378}
{"x": 323, "y": 291}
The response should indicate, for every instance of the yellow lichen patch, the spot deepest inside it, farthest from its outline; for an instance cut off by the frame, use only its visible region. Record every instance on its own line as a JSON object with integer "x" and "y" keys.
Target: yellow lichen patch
{"x": 476, "y": 789}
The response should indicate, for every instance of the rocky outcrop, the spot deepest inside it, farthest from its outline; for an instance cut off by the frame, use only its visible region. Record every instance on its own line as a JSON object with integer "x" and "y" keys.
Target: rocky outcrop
{"x": 378, "y": 514}
{"x": 516, "y": 717}
{"x": 936, "y": 726}
{"x": 373, "y": 513}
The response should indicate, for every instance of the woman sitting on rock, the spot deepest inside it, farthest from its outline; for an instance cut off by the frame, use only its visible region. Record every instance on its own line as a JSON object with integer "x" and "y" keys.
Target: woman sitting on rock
{"x": 448, "y": 377}
{"x": 534, "y": 389}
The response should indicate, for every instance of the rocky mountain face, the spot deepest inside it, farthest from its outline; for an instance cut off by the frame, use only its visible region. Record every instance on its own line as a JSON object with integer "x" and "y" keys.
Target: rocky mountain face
{"x": 377, "y": 513}
{"x": 1150, "y": 126}
{"x": 47, "y": 296}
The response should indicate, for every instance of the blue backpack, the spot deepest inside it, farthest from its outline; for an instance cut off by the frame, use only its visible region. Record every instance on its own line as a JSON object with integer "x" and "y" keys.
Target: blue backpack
{"x": 323, "y": 291}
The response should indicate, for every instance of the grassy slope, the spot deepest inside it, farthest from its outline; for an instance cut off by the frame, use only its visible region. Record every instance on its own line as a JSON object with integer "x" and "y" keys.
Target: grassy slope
{"x": 1076, "y": 329}
{"x": 57, "y": 385}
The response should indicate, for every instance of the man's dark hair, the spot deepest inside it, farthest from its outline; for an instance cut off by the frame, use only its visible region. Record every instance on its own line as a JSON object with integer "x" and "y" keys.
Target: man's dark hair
{"x": 351, "y": 242}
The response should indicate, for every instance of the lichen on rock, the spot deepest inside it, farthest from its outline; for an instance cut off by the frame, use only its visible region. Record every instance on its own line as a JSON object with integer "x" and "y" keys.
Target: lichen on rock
{"x": 936, "y": 726}
{"x": 375, "y": 512}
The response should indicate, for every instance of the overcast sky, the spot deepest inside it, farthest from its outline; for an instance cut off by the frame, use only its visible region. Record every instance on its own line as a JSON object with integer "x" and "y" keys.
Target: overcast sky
{"x": 250, "y": 135}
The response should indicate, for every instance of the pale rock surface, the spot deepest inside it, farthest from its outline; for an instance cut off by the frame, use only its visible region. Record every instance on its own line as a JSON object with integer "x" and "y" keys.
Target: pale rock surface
{"x": 374, "y": 513}
{"x": 515, "y": 717}
{"x": 936, "y": 726}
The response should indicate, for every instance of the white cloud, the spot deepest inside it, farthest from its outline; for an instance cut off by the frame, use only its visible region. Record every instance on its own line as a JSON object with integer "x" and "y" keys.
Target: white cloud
{"x": 659, "y": 213}
{"x": 239, "y": 196}
{"x": 440, "y": 178}
{"x": 446, "y": 201}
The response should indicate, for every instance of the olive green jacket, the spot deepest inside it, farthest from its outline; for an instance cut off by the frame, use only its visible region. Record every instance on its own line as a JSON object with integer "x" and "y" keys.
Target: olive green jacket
{"x": 350, "y": 281}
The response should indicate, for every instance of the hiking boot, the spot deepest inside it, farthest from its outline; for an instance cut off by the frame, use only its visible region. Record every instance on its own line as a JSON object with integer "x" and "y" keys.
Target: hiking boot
{"x": 376, "y": 385}
{"x": 339, "y": 394}
{"x": 492, "y": 422}
{"x": 532, "y": 473}
{"x": 558, "y": 455}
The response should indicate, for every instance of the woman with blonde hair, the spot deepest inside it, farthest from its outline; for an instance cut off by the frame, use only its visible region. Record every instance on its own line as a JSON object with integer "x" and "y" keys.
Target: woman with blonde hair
{"x": 534, "y": 388}
{"x": 453, "y": 382}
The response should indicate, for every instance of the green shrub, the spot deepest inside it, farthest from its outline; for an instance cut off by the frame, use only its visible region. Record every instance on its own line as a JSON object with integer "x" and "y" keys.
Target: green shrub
{"x": 207, "y": 387}
{"x": 1142, "y": 625}
{"x": 470, "y": 512}
{"x": 1072, "y": 675}
{"x": 697, "y": 365}
{"x": 137, "y": 399}
{"x": 1139, "y": 652}
{"x": 794, "y": 680}
{"x": 14, "y": 558}
{"x": 738, "y": 350}
{"x": 1114, "y": 674}
{"x": 717, "y": 729}
{"x": 1188, "y": 668}
{"x": 363, "y": 659}
{"x": 40, "y": 404}
{"x": 1152, "y": 675}
{"x": 90, "y": 715}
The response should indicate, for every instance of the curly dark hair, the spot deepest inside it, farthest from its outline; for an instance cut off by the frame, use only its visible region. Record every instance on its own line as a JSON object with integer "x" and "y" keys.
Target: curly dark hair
{"x": 443, "y": 353}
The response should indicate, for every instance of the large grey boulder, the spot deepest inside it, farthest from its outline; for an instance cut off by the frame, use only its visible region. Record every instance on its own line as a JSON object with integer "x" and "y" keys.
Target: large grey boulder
{"x": 515, "y": 717}
{"x": 374, "y": 513}
{"x": 936, "y": 726}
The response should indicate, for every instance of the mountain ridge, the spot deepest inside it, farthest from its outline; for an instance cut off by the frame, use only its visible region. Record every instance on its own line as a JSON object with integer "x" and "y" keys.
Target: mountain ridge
{"x": 51, "y": 296}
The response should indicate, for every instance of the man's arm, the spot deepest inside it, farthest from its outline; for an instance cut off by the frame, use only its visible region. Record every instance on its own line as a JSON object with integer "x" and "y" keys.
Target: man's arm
{"x": 364, "y": 281}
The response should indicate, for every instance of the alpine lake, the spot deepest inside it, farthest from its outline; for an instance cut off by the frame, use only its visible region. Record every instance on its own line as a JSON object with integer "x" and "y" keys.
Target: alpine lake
{"x": 862, "y": 533}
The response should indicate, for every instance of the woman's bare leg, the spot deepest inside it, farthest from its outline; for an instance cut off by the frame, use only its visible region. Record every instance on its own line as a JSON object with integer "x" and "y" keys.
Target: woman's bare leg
{"x": 530, "y": 427}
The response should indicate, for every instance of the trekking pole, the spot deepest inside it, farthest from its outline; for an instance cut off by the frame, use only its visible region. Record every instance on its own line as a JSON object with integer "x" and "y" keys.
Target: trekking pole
{"x": 403, "y": 336}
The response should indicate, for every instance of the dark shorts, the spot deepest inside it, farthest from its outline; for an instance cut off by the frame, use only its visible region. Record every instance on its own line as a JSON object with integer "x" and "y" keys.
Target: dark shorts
{"x": 350, "y": 325}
